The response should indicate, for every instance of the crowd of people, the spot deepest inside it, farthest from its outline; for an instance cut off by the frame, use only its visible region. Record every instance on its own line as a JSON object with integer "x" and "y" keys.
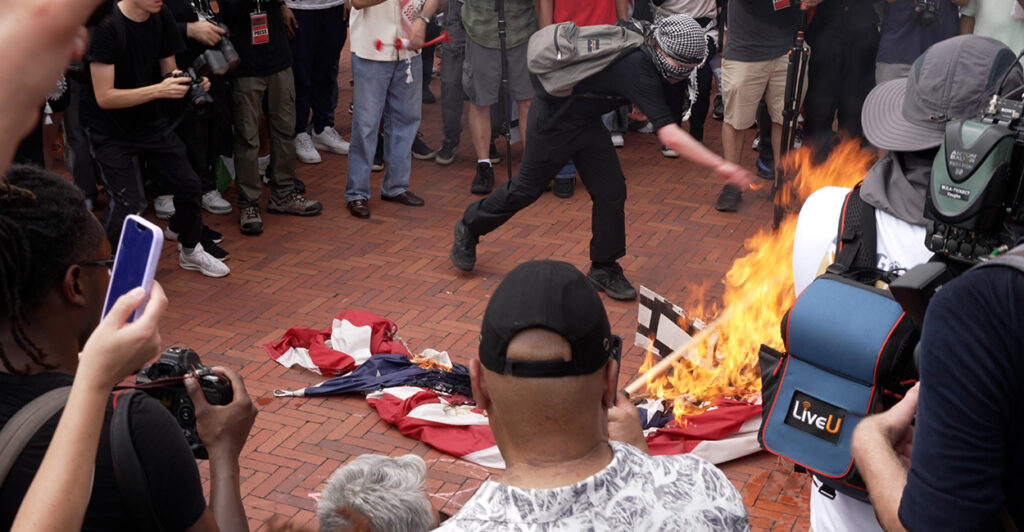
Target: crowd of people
{"x": 147, "y": 117}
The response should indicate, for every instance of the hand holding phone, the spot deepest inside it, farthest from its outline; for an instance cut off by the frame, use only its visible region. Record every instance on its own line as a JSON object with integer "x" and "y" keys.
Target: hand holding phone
{"x": 135, "y": 261}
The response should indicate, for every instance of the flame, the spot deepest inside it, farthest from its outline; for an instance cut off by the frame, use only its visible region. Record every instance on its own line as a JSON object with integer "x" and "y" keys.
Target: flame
{"x": 758, "y": 291}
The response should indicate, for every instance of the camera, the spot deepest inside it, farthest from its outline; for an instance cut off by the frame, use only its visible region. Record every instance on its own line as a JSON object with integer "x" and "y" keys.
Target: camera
{"x": 926, "y": 11}
{"x": 974, "y": 196}
{"x": 227, "y": 49}
{"x": 209, "y": 63}
{"x": 164, "y": 381}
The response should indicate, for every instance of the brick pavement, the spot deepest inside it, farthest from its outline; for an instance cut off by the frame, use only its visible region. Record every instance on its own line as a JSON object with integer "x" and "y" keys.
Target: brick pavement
{"x": 302, "y": 271}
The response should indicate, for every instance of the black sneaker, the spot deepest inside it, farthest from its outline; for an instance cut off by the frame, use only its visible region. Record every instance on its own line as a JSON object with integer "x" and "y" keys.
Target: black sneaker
{"x": 428, "y": 97}
{"x": 564, "y": 187}
{"x": 211, "y": 235}
{"x": 493, "y": 154}
{"x": 484, "y": 180}
{"x": 729, "y": 199}
{"x": 446, "y": 154}
{"x": 764, "y": 168}
{"x": 718, "y": 112}
{"x": 463, "y": 253}
{"x": 610, "y": 280}
{"x": 420, "y": 150}
{"x": 378, "y": 157}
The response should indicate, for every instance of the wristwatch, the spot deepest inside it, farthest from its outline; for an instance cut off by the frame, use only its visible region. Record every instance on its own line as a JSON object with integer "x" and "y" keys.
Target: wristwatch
{"x": 424, "y": 19}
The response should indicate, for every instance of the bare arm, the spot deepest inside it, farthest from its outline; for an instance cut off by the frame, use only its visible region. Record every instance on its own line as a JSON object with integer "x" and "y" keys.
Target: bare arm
{"x": 622, "y": 9}
{"x": 881, "y": 449}
{"x": 59, "y": 494}
{"x": 110, "y": 98}
{"x": 545, "y": 13}
{"x": 363, "y": 4}
{"x": 419, "y": 26}
{"x": 967, "y": 24}
{"x": 674, "y": 137}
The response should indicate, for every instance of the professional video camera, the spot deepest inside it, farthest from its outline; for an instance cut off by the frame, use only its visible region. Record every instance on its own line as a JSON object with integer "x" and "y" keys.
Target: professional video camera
{"x": 210, "y": 62}
{"x": 975, "y": 193}
{"x": 926, "y": 11}
{"x": 163, "y": 380}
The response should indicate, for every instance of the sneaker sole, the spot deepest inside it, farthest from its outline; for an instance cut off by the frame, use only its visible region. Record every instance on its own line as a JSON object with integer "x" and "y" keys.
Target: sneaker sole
{"x": 443, "y": 162}
{"x": 251, "y": 231}
{"x": 306, "y": 160}
{"x": 193, "y": 268}
{"x": 424, "y": 156}
{"x": 276, "y": 210}
{"x": 324, "y": 147}
{"x": 164, "y": 215}
{"x": 376, "y": 168}
{"x": 619, "y": 296}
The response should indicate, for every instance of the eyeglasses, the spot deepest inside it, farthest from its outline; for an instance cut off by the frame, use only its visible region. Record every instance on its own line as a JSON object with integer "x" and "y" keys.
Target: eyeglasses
{"x": 108, "y": 263}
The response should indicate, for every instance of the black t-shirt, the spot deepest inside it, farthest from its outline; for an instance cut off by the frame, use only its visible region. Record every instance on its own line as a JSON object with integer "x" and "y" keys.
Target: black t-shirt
{"x": 757, "y": 32}
{"x": 968, "y": 455}
{"x": 632, "y": 77}
{"x": 135, "y": 50}
{"x": 170, "y": 469}
{"x": 257, "y": 59}
{"x": 183, "y": 14}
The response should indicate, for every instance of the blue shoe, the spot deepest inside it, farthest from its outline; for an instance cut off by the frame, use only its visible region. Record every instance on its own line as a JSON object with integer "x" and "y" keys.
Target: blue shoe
{"x": 764, "y": 170}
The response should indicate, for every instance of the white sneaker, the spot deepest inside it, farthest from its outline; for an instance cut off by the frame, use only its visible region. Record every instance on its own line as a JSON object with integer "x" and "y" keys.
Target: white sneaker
{"x": 669, "y": 152}
{"x": 648, "y": 128}
{"x": 618, "y": 140}
{"x": 202, "y": 262}
{"x": 164, "y": 207}
{"x": 756, "y": 143}
{"x": 263, "y": 162}
{"x": 329, "y": 139}
{"x": 304, "y": 149}
{"x": 214, "y": 203}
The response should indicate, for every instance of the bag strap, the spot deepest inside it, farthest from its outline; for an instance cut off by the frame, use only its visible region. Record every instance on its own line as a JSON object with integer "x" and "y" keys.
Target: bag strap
{"x": 131, "y": 478}
{"x": 857, "y": 235}
{"x": 25, "y": 423}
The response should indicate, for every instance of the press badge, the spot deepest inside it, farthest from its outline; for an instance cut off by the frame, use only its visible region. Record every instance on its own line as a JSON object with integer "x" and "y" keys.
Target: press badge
{"x": 260, "y": 29}
{"x": 780, "y": 4}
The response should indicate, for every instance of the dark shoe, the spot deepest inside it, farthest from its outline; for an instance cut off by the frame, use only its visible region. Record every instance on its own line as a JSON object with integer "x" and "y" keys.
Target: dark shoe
{"x": 428, "y": 97}
{"x": 211, "y": 235}
{"x": 300, "y": 187}
{"x": 213, "y": 249}
{"x": 729, "y": 199}
{"x": 295, "y": 204}
{"x": 378, "y": 156}
{"x": 493, "y": 154}
{"x": 484, "y": 180}
{"x": 463, "y": 253}
{"x": 718, "y": 112}
{"x": 249, "y": 220}
{"x": 563, "y": 187}
{"x": 405, "y": 198}
{"x": 420, "y": 150}
{"x": 359, "y": 208}
{"x": 446, "y": 154}
{"x": 764, "y": 169}
{"x": 610, "y": 280}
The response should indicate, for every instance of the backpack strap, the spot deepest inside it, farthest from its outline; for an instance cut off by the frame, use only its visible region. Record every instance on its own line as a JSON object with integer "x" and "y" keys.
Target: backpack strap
{"x": 131, "y": 478}
{"x": 857, "y": 235}
{"x": 25, "y": 423}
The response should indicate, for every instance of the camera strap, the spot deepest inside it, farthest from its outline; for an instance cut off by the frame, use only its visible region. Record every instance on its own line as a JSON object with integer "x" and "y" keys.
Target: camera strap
{"x": 131, "y": 478}
{"x": 25, "y": 423}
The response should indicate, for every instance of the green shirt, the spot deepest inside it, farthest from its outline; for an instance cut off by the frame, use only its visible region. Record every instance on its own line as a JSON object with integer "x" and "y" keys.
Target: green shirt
{"x": 481, "y": 22}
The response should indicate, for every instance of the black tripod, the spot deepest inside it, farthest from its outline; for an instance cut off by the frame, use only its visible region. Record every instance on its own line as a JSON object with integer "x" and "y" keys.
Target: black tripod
{"x": 506, "y": 100}
{"x": 796, "y": 71}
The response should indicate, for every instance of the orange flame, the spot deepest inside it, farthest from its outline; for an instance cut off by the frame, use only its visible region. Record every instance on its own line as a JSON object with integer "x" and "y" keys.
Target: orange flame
{"x": 758, "y": 291}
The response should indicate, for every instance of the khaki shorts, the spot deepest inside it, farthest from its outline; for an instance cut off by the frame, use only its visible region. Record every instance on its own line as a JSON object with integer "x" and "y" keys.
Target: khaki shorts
{"x": 743, "y": 85}
{"x": 481, "y": 74}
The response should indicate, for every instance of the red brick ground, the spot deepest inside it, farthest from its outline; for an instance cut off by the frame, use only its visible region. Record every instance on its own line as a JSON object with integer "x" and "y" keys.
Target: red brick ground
{"x": 303, "y": 271}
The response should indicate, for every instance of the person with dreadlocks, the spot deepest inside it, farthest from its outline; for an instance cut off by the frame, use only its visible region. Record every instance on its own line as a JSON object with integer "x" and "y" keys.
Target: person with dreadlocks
{"x": 54, "y": 260}
{"x": 560, "y": 129}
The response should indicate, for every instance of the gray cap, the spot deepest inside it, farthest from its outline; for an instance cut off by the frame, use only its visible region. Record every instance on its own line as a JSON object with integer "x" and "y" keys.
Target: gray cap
{"x": 953, "y": 79}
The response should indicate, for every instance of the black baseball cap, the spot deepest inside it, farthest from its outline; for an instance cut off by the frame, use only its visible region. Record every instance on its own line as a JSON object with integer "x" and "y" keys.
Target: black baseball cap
{"x": 551, "y": 295}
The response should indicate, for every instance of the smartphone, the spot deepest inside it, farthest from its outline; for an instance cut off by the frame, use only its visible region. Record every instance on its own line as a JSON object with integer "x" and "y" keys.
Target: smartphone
{"x": 135, "y": 260}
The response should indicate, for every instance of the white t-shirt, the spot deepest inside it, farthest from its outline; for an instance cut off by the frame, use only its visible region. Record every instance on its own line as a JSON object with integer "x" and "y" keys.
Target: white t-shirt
{"x": 313, "y": 4}
{"x": 900, "y": 245}
{"x": 633, "y": 492}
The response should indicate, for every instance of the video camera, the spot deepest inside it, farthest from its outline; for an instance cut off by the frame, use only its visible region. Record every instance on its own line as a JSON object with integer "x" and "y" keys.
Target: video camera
{"x": 975, "y": 193}
{"x": 163, "y": 380}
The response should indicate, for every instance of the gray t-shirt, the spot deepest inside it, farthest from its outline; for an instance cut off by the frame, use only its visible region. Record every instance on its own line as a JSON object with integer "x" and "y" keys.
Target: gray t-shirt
{"x": 634, "y": 492}
{"x": 757, "y": 32}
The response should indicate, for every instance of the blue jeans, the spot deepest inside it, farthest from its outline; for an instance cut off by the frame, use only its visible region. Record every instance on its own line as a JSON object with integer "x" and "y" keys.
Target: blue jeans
{"x": 383, "y": 89}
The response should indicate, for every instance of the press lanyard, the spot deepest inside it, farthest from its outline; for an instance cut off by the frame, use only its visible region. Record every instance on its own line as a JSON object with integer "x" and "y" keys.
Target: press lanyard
{"x": 258, "y": 19}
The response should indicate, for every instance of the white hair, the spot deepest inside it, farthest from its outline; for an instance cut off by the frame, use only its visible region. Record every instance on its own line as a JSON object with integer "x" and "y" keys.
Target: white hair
{"x": 388, "y": 491}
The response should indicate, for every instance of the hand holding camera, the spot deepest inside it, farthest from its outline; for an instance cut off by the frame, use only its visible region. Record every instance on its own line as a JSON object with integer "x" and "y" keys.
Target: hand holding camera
{"x": 223, "y": 427}
{"x": 204, "y": 31}
{"x": 174, "y": 86}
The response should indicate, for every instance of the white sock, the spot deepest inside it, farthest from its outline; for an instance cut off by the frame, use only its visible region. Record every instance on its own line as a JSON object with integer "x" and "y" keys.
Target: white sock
{"x": 488, "y": 161}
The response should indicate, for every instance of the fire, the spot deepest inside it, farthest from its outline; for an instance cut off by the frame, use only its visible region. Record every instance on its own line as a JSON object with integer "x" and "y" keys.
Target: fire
{"x": 758, "y": 291}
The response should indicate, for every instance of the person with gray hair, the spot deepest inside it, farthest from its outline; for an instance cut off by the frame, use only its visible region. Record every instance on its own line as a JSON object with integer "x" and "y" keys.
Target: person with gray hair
{"x": 379, "y": 494}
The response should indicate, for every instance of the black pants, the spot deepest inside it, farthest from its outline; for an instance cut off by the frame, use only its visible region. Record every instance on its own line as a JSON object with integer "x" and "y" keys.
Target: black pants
{"x": 552, "y": 142}
{"x": 840, "y": 76}
{"x": 118, "y": 162}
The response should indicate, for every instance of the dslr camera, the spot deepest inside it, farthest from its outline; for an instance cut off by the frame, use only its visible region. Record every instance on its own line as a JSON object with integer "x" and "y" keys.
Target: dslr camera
{"x": 209, "y": 63}
{"x": 926, "y": 11}
{"x": 164, "y": 381}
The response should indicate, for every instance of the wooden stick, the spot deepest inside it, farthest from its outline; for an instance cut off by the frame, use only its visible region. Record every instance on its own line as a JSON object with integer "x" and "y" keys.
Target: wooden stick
{"x": 664, "y": 364}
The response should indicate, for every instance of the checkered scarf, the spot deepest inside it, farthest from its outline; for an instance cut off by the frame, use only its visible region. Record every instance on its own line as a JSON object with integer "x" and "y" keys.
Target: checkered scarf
{"x": 683, "y": 40}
